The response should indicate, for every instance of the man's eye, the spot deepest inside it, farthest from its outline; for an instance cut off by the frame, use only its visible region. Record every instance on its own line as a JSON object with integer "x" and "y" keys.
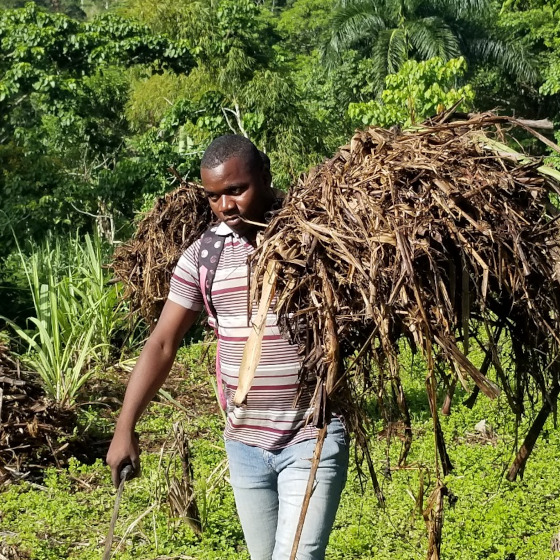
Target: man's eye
{"x": 212, "y": 197}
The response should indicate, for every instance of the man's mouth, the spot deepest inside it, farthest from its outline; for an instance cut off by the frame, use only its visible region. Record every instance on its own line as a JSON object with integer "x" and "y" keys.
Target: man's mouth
{"x": 233, "y": 219}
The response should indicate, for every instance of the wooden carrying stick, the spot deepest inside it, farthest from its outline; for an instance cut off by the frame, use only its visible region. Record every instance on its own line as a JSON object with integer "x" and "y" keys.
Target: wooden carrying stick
{"x": 253, "y": 346}
{"x": 321, "y": 435}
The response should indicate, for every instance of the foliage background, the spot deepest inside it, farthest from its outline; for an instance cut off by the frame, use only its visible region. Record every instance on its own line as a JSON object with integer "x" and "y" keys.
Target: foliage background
{"x": 98, "y": 98}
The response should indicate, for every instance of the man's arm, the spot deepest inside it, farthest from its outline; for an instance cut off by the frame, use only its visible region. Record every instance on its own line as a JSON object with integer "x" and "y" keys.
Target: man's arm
{"x": 148, "y": 375}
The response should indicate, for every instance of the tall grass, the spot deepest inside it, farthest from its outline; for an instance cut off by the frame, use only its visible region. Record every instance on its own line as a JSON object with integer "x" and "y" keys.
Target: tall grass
{"x": 102, "y": 302}
{"x": 76, "y": 314}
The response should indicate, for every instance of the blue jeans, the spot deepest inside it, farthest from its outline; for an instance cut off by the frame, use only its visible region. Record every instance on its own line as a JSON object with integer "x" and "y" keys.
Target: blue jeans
{"x": 269, "y": 487}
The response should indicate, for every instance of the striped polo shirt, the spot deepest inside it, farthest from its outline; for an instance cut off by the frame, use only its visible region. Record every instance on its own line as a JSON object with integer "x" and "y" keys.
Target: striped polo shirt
{"x": 269, "y": 419}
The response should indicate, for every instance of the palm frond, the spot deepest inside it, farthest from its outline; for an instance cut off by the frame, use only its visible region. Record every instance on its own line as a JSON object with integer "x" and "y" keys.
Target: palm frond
{"x": 394, "y": 10}
{"x": 432, "y": 37}
{"x": 477, "y": 9}
{"x": 380, "y": 60}
{"x": 352, "y": 23}
{"x": 397, "y": 49}
{"x": 511, "y": 57}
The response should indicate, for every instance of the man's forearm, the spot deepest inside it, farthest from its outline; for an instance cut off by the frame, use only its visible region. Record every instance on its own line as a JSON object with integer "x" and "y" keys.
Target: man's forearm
{"x": 151, "y": 370}
{"x": 148, "y": 375}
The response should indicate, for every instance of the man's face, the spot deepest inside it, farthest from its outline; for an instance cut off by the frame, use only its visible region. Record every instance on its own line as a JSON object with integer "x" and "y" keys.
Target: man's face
{"x": 235, "y": 190}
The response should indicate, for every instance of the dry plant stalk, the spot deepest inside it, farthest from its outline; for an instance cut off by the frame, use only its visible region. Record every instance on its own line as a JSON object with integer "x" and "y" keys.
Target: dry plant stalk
{"x": 433, "y": 516}
{"x": 181, "y": 495}
{"x": 253, "y": 346}
{"x": 321, "y": 435}
{"x": 145, "y": 263}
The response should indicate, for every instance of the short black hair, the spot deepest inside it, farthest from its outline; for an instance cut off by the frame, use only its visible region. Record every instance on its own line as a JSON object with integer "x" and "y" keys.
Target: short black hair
{"x": 229, "y": 146}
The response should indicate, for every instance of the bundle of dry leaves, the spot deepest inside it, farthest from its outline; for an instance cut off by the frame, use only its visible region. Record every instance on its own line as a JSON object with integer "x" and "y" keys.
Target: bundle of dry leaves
{"x": 440, "y": 238}
{"x": 430, "y": 237}
{"x": 146, "y": 262}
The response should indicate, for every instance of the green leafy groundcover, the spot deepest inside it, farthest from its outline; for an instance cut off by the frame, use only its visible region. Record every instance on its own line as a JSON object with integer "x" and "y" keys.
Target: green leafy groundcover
{"x": 68, "y": 514}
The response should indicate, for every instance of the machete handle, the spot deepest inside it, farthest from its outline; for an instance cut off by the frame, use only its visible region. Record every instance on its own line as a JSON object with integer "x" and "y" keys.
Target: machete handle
{"x": 126, "y": 472}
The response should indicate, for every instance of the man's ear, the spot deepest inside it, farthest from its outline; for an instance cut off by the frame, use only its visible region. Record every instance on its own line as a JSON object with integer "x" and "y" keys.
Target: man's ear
{"x": 267, "y": 177}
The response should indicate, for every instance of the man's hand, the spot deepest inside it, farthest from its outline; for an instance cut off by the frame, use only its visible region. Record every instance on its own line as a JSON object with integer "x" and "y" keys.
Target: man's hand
{"x": 124, "y": 450}
{"x": 147, "y": 377}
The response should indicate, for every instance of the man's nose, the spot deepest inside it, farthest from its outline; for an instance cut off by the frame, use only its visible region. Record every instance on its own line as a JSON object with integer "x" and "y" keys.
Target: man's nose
{"x": 226, "y": 204}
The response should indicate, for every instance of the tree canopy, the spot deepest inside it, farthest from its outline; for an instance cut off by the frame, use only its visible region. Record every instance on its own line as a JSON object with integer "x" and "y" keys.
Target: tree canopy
{"x": 391, "y": 32}
{"x": 98, "y": 99}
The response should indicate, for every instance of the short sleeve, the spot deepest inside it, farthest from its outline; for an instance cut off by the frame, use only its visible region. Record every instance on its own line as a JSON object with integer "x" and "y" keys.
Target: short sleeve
{"x": 185, "y": 287}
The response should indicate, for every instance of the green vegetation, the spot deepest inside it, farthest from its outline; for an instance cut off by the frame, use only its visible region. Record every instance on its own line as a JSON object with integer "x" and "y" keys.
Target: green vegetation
{"x": 76, "y": 315}
{"x": 486, "y": 518}
{"x": 393, "y": 31}
{"x": 417, "y": 91}
{"x": 103, "y": 106}
{"x": 98, "y": 98}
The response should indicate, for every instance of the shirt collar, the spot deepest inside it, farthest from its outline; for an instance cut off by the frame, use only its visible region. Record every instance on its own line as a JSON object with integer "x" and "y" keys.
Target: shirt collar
{"x": 224, "y": 230}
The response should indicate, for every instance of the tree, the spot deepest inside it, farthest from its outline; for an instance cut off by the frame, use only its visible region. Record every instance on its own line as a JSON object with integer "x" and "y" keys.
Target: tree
{"x": 242, "y": 84}
{"x": 417, "y": 91}
{"x": 537, "y": 23}
{"x": 72, "y": 8}
{"x": 62, "y": 96}
{"x": 390, "y": 32}
{"x": 305, "y": 25}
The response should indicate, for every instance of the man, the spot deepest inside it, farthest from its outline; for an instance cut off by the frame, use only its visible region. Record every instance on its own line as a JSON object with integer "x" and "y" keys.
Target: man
{"x": 269, "y": 441}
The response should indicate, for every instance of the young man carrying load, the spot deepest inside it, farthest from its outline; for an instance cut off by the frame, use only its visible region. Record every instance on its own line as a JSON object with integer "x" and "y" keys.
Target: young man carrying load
{"x": 269, "y": 443}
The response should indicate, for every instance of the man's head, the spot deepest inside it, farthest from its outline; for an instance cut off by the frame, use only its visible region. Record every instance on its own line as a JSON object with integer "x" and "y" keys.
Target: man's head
{"x": 236, "y": 181}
